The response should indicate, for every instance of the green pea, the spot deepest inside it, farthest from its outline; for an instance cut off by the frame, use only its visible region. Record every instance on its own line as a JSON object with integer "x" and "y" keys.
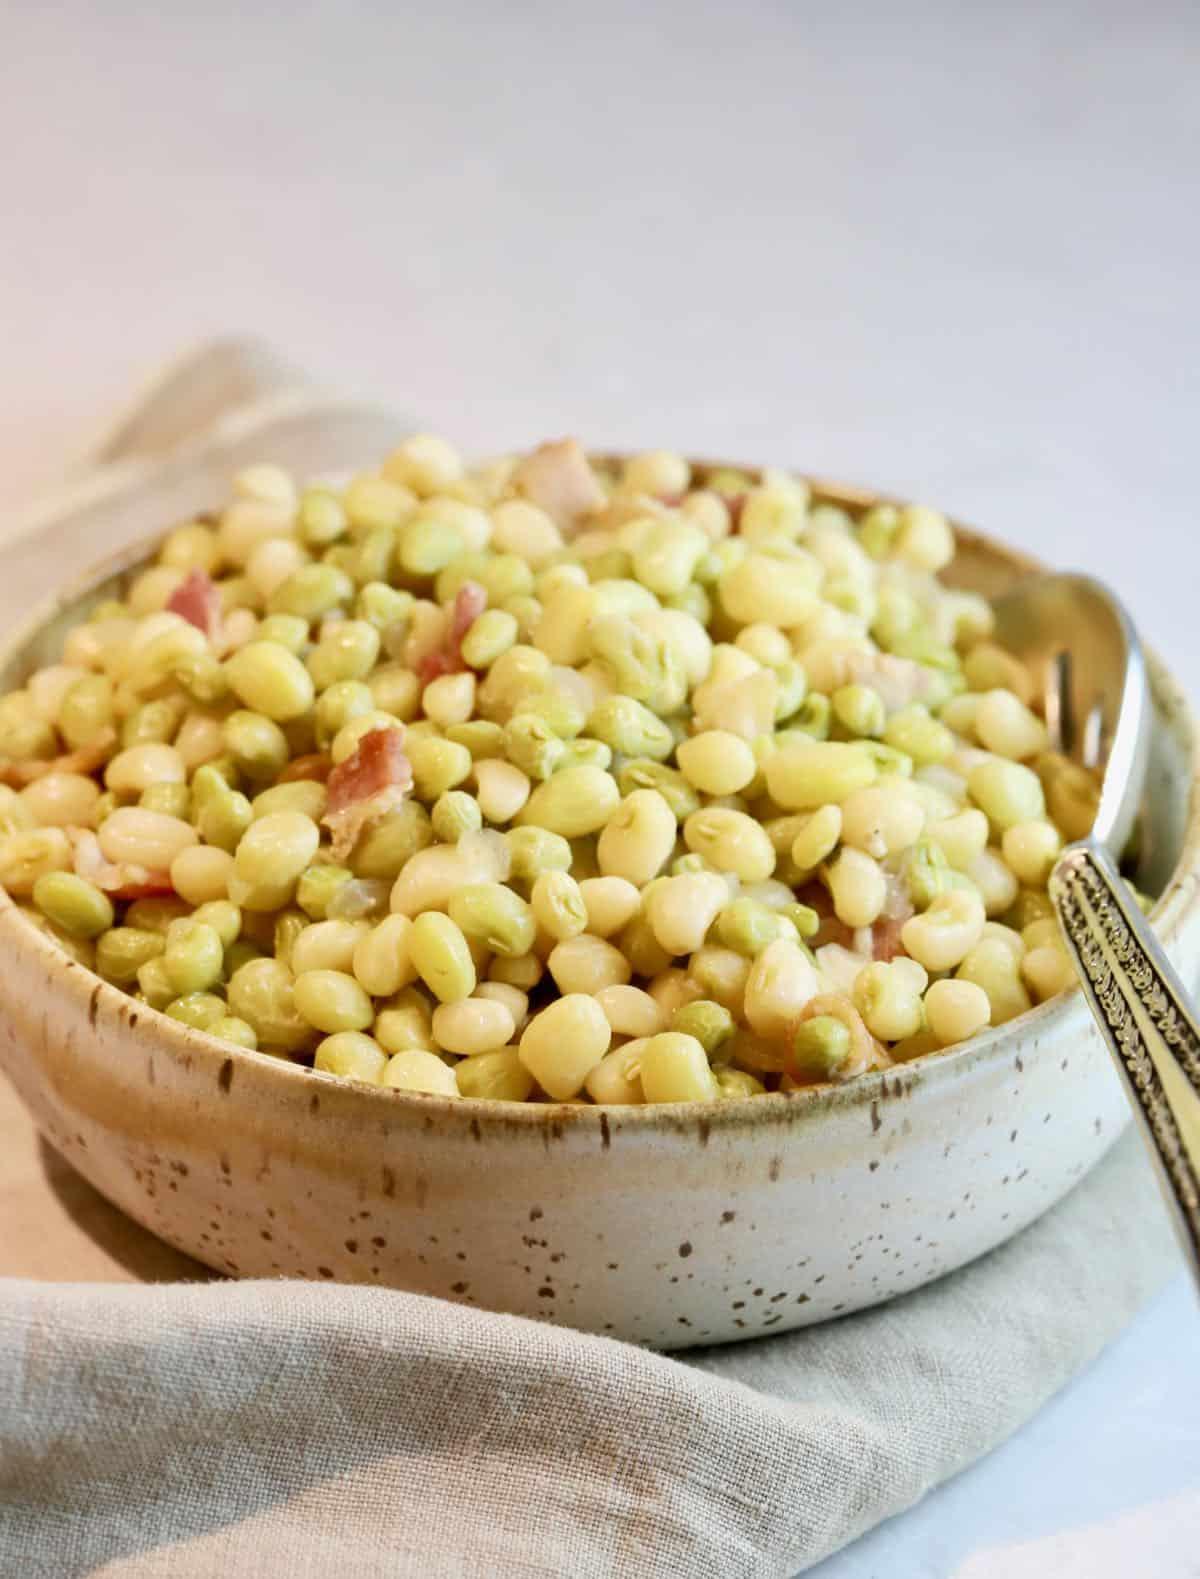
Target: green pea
{"x": 154, "y": 723}
{"x": 346, "y": 651}
{"x": 502, "y": 576}
{"x": 577, "y": 801}
{"x": 793, "y": 687}
{"x": 289, "y": 630}
{"x": 710, "y": 1023}
{"x": 270, "y": 680}
{"x": 321, "y": 518}
{"x": 454, "y": 814}
{"x": 121, "y": 951}
{"x": 224, "y": 918}
{"x": 437, "y": 765}
{"x": 172, "y": 799}
{"x": 922, "y": 646}
{"x": 888, "y": 760}
{"x": 312, "y": 592}
{"x": 194, "y": 956}
{"x": 220, "y": 814}
{"x": 748, "y": 926}
{"x": 257, "y": 744}
{"x": 427, "y": 545}
{"x": 532, "y": 745}
{"x": 261, "y": 992}
{"x": 154, "y": 985}
{"x": 376, "y": 550}
{"x": 926, "y": 872}
{"x": 156, "y": 915}
{"x": 343, "y": 701}
{"x": 527, "y": 612}
{"x": 200, "y": 1010}
{"x": 387, "y": 608}
{"x": 79, "y": 908}
{"x": 877, "y": 530}
{"x": 642, "y": 773}
{"x": 804, "y": 918}
{"x": 317, "y": 886}
{"x": 614, "y": 564}
{"x": 559, "y": 711}
{"x": 389, "y": 844}
{"x": 439, "y": 952}
{"x": 535, "y": 850}
{"x": 203, "y": 678}
{"x": 693, "y": 600}
{"x": 240, "y": 953}
{"x": 631, "y": 729}
{"x": 820, "y": 1048}
{"x": 493, "y": 915}
{"x": 859, "y": 710}
{"x": 584, "y": 753}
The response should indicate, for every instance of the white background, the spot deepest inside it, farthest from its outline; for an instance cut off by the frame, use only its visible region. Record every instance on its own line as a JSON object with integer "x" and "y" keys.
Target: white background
{"x": 949, "y": 250}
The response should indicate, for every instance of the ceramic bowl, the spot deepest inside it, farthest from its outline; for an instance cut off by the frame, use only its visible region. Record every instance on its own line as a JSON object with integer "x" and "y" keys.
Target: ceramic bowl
{"x": 671, "y": 1226}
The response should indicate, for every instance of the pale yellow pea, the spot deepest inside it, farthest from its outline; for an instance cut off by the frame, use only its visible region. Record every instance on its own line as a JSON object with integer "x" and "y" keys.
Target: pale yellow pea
{"x": 200, "y": 874}
{"x": 721, "y": 974}
{"x": 472, "y": 1026}
{"x": 501, "y": 789}
{"x": 133, "y": 835}
{"x": 133, "y": 770}
{"x": 331, "y": 1000}
{"x": 270, "y": 680}
{"x": 441, "y": 956}
{"x": 564, "y": 1043}
{"x": 498, "y": 1076}
{"x": 638, "y": 838}
{"x": 806, "y": 775}
{"x": 450, "y": 699}
{"x": 521, "y": 528}
{"x": 993, "y": 966}
{"x": 817, "y": 837}
{"x": 611, "y": 903}
{"x": 1039, "y": 933}
{"x": 425, "y": 463}
{"x": 780, "y": 982}
{"x": 888, "y": 1001}
{"x": 585, "y": 964}
{"x": 763, "y": 589}
{"x": 61, "y": 800}
{"x": 881, "y": 819}
{"x": 522, "y": 971}
{"x": 1004, "y": 725}
{"x": 997, "y": 886}
{"x": 418, "y": 1070}
{"x": 326, "y": 945}
{"x": 673, "y": 989}
{"x": 513, "y": 999}
{"x": 674, "y": 1068}
{"x": 1047, "y": 970}
{"x": 574, "y": 802}
{"x": 962, "y": 837}
{"x": 941, "y": 936}
{"x": 616, "y": 1081}
{"x": 717, "y": 762}
{"x": 731, "y": 841}
{"x": 1007, "y": 792}
{"x": 1031, "y": 849}
{"x": 380, "y": 957}
{"x": 857, "y": 887}
{"x": 201, "y": 739}
{"x": 630, "y": 1011}
{"x": 956, "y": 1010}
{"x": 352, "y": 1055}
{"x": 269, "y": 859}
{"x": 680, "y": 910}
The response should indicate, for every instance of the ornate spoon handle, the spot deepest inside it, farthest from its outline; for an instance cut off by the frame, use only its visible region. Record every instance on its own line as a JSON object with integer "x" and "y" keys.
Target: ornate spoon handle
{"x": 1144, "y": 1015}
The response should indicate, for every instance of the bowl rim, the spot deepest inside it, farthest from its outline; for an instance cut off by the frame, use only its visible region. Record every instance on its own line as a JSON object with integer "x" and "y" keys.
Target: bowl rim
{"x": 96, "y": 997}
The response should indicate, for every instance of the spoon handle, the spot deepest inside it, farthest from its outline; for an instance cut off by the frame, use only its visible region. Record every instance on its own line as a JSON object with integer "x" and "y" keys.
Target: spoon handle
{"x": 1145, "y": 1017}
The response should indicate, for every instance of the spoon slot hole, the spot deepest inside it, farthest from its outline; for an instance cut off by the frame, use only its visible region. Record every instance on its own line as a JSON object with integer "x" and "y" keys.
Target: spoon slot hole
{"x": 1060, "y": 720}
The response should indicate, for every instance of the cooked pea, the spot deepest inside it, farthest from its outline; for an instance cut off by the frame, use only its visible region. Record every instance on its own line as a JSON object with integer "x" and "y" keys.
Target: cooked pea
{"x": 78, "y": 907}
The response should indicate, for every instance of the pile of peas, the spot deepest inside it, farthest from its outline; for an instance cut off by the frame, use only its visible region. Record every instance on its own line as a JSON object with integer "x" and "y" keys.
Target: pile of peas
{"x": 717, "y": 791}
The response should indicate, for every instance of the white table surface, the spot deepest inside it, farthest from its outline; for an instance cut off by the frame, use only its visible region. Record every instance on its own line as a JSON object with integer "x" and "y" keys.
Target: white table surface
{"x": 950, "y": 250}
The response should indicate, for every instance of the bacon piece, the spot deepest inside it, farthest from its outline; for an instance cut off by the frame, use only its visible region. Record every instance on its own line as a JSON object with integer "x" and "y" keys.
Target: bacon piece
{"x": 469, "y": 603}
{"x": 197, "y": 600}
{"x": 883, "y": 936}
{"x": 369, "y": 783}
{"x": 316, "y": 766}
{"x": 559, "y": 479}
{"x": 84, "y": 759}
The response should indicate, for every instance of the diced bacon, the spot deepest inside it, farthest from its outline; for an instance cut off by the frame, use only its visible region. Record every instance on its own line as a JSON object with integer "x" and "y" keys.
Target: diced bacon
{"x": 558, "y": 478}
{"x": 317, "y": 766}
{"x": 469, "y": 603}
{"x": 122, "y": 880}
{"x": 369, "y": 783}
{"x": 882, "y": 938}
{"x": 885, "y": 939}
{"x": 85, "y": 759}
{"x": 197, "y": 600}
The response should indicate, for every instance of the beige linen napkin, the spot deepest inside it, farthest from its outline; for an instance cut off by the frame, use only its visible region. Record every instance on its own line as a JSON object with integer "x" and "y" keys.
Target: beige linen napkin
{"x": 218, "y": 1430}
{"x": 254, "y": 1430}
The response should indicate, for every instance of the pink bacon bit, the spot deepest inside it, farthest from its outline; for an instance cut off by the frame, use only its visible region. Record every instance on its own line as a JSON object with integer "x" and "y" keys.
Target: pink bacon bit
{"x": 372, "y": 781}
{"x": 559, "y": 479}
{"x": 884, "y": 934}
{"x": 469, "y": 603}
{"x": 197, "y": 600}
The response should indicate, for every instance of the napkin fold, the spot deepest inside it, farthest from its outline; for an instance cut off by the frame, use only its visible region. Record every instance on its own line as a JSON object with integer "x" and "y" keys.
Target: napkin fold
{"x": 249, "y": 1430}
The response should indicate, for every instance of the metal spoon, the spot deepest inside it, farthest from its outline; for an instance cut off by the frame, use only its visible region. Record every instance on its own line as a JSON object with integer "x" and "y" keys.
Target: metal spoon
{"x": 1084, "y": 654}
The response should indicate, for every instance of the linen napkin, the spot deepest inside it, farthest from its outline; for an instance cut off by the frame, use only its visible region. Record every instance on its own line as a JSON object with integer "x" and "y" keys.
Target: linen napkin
{"x": 218, "y": 1430}
{"x": 262, "y": 1429}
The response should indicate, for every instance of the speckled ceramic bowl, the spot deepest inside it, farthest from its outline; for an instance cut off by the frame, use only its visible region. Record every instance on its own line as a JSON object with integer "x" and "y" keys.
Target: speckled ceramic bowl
{"x": 671, "y": 1226}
